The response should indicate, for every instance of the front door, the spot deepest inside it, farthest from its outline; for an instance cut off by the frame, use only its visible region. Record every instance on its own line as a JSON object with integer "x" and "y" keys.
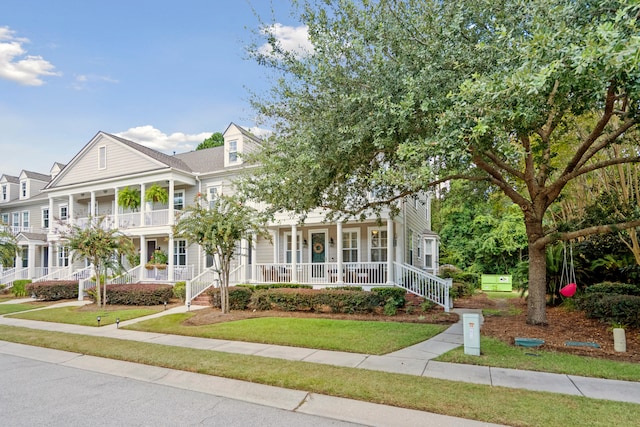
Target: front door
{"x": 151, "y": 248}
{"x": 318, "y": 254}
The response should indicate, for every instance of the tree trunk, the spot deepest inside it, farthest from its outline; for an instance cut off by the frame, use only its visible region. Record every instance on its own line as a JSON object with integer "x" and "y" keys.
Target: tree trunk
{"x": 96, "y": 271}
{"x": 537, "y": 298}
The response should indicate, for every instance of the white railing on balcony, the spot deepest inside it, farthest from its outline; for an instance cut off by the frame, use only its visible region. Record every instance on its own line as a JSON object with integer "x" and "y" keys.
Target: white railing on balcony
{"x": 352, "y": 273}
{"x": 426, "y": 285}
{"x": 200, "y": 283}
{"x": 17, "y": 229}
{"x": 156, "y": 217}
{"x": 129, "y": 220}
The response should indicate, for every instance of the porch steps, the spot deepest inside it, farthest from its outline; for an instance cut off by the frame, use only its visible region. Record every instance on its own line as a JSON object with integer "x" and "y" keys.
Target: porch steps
{"x": 202, "y": 300}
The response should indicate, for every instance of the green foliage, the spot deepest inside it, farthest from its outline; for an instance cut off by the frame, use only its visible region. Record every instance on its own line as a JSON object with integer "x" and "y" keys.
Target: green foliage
{"x": 8, "y": 246}
{"x": 613, "y": 288}
{"x": 156, "y": 193}
{"x": 180, "y": 290}
{"x": 54, "y": 290}
{"x": 215, "y": 140}
{"x": 427, "y": 305}
{"x": 129, "y": 197}
{"x": 239, "y": 297}
{"x": 394, "y": 296}
{"x": 137, "y": 294}
{"x": 390, "y": 307}
{"x": 336, "y": 301}
{"x": 282, "y": 285}
{"x": 19, "y": 288}
{"x": 612, "y": 308}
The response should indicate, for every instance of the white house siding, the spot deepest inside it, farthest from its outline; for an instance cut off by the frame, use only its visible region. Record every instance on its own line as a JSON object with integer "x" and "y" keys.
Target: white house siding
{"x": 120, "y": 161}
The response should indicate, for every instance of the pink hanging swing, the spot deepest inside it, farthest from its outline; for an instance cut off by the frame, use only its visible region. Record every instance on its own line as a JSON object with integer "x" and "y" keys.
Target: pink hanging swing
{"x": 568, "y": 274}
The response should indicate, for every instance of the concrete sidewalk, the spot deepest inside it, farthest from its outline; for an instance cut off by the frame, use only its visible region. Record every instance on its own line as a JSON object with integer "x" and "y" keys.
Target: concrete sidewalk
{"x": 414, "y": 360}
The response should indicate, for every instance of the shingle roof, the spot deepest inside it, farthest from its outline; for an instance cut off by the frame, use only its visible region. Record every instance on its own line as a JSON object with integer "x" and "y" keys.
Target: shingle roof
{"x": 11, "y": 179}
{"x": 202, "y": 161}
{"x": 171, "y": 161}
{"x": 37, "y": 175}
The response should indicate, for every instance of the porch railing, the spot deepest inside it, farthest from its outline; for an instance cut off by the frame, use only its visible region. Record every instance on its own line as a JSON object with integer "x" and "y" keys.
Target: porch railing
{"x": 64, "y": 273}
{"x": 198, "y": 284}
{"x": 352, "y": 273}
{"x": 180, "y": 273}
{"x": 10, "y": 275}
{"x": 424, "y": 284}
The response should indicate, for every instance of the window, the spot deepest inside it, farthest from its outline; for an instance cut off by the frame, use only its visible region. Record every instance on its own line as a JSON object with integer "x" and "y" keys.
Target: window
{"x": 102, "y": 157}
{"x": 410, "y": 247}
{"x": 4, "y": 192}
{"x": 378, "y": 243}
{"x": 25, "y": 220}
{"x": 178, "y": 200}
{"x": 212, "y": 197}
{"x": 63, "y": 256}
{"x": 23, "y": 188}
{"x": 289, "y": 246}
{"x": 45, "y": 218}
{"x": 233, "y": 151}
{"x": 5, "y": 218}
{"x": 428, "y": 253}
{"x": 63, "y": 213}
{"x": 209, "y": 261}
{"x": 16, "y": 221}
{"x": 25, "y": 257}
{"x": 180, "y": 252}
{"x": 350, "y": 243}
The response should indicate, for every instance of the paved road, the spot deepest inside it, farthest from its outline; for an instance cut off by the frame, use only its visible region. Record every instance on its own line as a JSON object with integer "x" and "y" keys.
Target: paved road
{"x": 35, "y": 393}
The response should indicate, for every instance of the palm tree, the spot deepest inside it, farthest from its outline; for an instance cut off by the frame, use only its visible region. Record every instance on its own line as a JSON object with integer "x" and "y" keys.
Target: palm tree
{"x": 8, "y": 247}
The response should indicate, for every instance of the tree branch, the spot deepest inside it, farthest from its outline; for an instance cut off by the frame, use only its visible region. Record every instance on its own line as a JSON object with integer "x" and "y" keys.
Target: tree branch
{"x": 596, "y": 229}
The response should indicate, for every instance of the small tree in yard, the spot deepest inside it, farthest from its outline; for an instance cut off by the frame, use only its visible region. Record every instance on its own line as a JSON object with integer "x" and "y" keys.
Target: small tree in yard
{"x": 8, "y": 248}
{"x": 218, "y": 230}
{"x": 101, "y": 246}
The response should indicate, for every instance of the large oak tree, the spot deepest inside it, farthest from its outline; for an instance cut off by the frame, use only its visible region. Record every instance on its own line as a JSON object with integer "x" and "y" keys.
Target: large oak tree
{"x": 399, "y": 96}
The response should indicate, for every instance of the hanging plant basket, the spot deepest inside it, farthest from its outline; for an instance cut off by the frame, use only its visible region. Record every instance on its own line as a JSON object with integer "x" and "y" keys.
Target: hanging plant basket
{"x": 155, "y": 193}
{"x": 129, "y": 198}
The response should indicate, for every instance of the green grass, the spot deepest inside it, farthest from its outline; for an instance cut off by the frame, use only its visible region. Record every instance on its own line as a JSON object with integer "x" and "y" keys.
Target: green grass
{"x": 503, "y": 295}
{"x": 339, "y": 335}
{"x": 13, "y": 308}
{"x": 499, "y": 354}
{"x": 471, "y": 401}
{"x": 78, "y": 316}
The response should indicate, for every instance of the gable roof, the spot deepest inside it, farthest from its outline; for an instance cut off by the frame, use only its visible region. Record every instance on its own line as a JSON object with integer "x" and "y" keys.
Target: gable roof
{"x": 11, "y": 179}
{"x": 207, "y": 160}
{"x": 171, "y": 161}
{"x": 36, "y": 175}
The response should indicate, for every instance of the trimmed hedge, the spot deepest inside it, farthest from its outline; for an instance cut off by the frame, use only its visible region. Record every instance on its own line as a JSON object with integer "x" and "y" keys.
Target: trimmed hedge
{"x": 336, "y": 301}
{"x": 239, "y": 297}
{"x": 137, "y": 294}
{"x": 180, "y": 290}
{"x": 613, "y": 288}
{"x": 282, "y": 286}
{"x": 19, "y": 287}
{"x": 54, "y": 290}
{"x": 614, "y": 308}
{"x": 397, "y": 296}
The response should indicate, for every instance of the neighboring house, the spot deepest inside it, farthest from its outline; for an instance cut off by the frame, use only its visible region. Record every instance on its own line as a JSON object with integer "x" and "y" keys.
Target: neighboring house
{"x": 37, "y": 207}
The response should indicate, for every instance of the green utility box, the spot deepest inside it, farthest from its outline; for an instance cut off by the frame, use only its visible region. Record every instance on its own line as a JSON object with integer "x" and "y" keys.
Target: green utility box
{"x": 496, "y": 282}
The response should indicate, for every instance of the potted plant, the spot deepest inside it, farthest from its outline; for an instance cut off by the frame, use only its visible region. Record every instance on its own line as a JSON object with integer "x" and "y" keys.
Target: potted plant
{"x": 129, "y": 198}
{"x": 155, "y": 193}
{"x": 158, "y": 260}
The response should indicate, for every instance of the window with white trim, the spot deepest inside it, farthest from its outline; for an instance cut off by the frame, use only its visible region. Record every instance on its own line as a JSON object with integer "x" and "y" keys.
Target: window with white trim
{"x": 212, "y": 197}
{"x": 64, "y": 213}
{"x": 5, "y": 218}
{"x": 25, "y": 220}
{"x": 233, "y": 151}
{"x": 378, "y": 243}
{"x": 63, "y": 256}
{"x": 45, "y": 218}
{"x": 428, "y": 253}
{"x": 5, "y": 195}
{"x": 102, "y": 157}
{"x": 180, "y": 252}
{"x": 23, "y": 189}
{"x": 288, "y": 258}
{"x": 350, "y": 245}
{"x": 178, "y": 200}
{"x": 16, "y": 221}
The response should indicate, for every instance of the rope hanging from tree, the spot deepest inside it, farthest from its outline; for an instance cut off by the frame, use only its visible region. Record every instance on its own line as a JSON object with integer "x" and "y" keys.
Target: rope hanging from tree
{"x": 568, "y": 273}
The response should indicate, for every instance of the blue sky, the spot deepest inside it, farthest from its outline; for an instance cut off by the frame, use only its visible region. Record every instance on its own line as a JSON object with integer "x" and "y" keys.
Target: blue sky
{"x": 163, "y": 73}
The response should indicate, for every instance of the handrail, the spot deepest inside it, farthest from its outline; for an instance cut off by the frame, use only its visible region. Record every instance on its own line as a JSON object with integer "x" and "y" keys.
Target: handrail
{"x": 200, "y": 283}
{"x": 423, "y": 284}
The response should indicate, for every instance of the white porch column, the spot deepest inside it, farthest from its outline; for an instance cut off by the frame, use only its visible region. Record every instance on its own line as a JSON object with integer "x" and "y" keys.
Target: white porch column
{"x": 244, "y": 258}
{"x": 294, "y": 253}
{"x": 116, "y": 208}
{"x": 70, "y": 210}
{"x": 92, "y": 207}
{"x": 254, "y": 257}
{"x": 170, "y": 253}
{"x": 390, "y": 239}
{"x": 51, "y": 262}
{"x": 143, "y": 204}
{"x": 339, "y": 259}
{"x": 172, "y": 215}
{"x": 32, "y": 260}
{"x": 143, "y": 251}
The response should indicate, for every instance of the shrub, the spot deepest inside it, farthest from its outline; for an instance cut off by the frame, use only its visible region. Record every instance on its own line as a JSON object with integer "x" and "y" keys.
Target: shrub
{"x": 19, "y": 287}
{"x": 613, "y": 288}
{"x": 54, "y": 290}
{"x": 137, "y": 294}
{"x": 337, "y": 301}
{"x": 345, "y": 288}
{"x": 395, "y": 296}
{"x": 282, "y": 285}
{"x": 390, "y": 307}
{"x": 180, "y": 290}
{"x": 239, "y": 297}
{"x": 612, "y": 308}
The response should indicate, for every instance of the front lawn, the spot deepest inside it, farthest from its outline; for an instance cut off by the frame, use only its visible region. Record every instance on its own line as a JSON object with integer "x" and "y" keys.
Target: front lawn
{"x": 85, "y": 316}
{"x": 368, "y": 337}
{"x": 14, "y": 308}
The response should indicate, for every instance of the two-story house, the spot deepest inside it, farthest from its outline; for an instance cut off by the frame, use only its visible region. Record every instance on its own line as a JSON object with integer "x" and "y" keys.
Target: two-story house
{"x": 37, "y": 208}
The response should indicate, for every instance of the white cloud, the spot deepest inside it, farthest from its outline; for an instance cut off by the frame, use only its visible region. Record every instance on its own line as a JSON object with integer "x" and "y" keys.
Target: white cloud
{"x": 153, "y": 138}
{"x": 15, "y": 65}
{"x": 291, "y": 39}
{"x": 82, "y": 81}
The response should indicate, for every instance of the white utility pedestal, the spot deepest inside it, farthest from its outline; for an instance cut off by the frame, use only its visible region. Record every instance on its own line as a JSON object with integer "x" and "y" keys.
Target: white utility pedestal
{"x": 471, "y": 333}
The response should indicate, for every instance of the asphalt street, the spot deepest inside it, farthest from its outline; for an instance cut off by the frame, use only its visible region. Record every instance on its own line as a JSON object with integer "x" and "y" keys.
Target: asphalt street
{"x": 36, "y": 393}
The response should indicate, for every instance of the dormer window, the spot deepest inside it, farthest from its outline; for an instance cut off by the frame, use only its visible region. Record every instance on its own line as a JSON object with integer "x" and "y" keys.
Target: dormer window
{"x": 23, "y": 189}
{"x": 233, "y": 151}
{"x": 102, "y": 157}
{"x": 5, "y": 195}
